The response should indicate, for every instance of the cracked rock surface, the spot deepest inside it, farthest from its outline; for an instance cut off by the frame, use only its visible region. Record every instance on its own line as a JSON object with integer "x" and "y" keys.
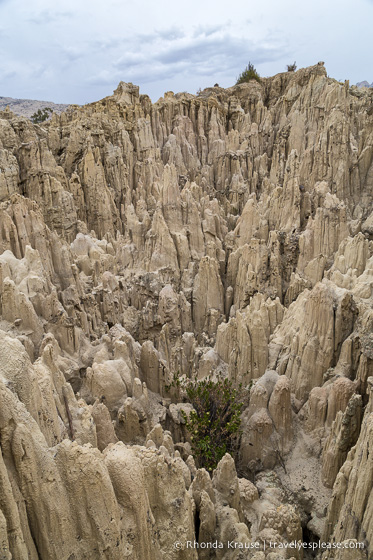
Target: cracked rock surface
{"x": 224, "y": 234}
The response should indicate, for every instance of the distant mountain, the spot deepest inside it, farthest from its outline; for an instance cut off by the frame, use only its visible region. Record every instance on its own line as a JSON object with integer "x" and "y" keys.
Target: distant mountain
{"x": 364, "y": 84}
{"x": 27, "y": 107}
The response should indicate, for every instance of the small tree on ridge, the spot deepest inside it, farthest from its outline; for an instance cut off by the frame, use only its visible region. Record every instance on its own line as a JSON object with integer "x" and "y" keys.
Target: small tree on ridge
{"x": 248, "y": 74}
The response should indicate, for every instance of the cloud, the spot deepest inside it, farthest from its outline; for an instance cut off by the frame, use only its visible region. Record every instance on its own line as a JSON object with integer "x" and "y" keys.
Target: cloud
{"x": 7, "y": 75}
{"x": 72, "y": 54}
{"x": 204, "y": 51}
{"x": 207, "y": 30}
{"x": 170, "y": 34}
{"x": 46, "y": 17}
{"x": 77, "y": 57}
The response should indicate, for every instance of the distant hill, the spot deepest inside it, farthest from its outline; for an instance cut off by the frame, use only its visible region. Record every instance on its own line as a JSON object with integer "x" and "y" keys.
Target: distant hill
{"x": 364, "y": 84}
{"x": 27, "y": 107}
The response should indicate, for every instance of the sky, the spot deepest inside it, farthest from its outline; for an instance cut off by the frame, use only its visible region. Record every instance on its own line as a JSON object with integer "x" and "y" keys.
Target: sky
{"x": 77, "y": 51}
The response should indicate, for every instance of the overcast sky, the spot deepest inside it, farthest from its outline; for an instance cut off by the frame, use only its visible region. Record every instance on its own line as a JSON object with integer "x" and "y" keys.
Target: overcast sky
{"x": 76, "y": 51}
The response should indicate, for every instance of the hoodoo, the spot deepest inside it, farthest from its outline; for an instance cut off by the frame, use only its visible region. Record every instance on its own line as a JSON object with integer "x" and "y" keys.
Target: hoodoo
{"x": 151, "y": 254}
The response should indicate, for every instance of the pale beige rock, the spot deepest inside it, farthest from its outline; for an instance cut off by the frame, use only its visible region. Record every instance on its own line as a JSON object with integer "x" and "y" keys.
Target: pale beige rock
{"x": 153, "y": 369}
{"x": 267, "y": 424}
{"x": 350, "y": 511}
{"x": 314, "y": 328}
{"x": 104, "y": 427}
{"x": 169, "y": 501}
{"x": 349, "y": 550}
{"x": 258, "y": 446}
{"x": 5, "y": 552}
{"x": 207, "y": 526}
{"x": 202, "y": 483}
{"x": 343, "y": 436}
{"x": 248, "y": 491}
{"x": 105, "y": 382}
{"x": 132, "y": 423}
{"x": 207, "y": 296}
{"x": 128, "y": 478}
{"x": 225, "y": 233}
{"x": 279, "y": 408}
{"x": 243, "y": 341}
{"x": 9, "y": 174}
{"x": 13, "y": 541}
{"x": 225, "y": 483}
{"x": 284, "y": 525}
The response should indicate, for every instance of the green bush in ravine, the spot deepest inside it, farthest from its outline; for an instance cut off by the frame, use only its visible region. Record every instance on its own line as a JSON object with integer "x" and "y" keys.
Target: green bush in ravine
{"x": 248, "y": 74}
{"x": 214, "y": 424}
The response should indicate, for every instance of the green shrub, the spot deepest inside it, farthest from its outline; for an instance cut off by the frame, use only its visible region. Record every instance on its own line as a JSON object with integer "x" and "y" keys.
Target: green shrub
{"x": 248, "y": 74}
{"x": 214, "y": 424}
{"x": 41, "y": 115}
{"x": 291, "y": 67}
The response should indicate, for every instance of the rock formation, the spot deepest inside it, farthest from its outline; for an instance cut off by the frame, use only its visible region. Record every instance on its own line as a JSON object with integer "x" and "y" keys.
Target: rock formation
{"x": 228, "y": 234}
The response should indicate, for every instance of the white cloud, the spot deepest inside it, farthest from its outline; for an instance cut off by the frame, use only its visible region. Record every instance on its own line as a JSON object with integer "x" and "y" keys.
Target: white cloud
{"x": 205, "y": 52}
{"x": 46, "y": 17}
{"x": 78, "y": 52}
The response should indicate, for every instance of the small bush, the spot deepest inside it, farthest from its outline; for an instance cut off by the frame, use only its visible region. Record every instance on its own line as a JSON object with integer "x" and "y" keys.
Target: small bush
{"x": 291, "y": 67}
{"x": 41, "y": 115}
{"x": 248, "y": 74}
{"x": 214, "y": 424}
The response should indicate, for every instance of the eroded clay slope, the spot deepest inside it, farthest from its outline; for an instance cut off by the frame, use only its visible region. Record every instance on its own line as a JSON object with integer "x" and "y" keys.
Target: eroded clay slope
{"x": 227, "y": 233}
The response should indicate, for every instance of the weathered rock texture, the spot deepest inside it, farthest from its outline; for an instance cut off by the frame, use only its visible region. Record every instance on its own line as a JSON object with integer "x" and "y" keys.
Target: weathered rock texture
{"x": 227, "y": 234}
